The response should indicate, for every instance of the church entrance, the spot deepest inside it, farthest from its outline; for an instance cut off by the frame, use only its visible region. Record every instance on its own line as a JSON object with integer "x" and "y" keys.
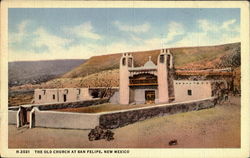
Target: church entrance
{"x": 150, "y": 97}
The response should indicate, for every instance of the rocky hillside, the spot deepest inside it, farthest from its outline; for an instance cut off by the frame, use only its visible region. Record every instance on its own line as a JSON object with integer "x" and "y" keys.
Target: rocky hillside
{"x": 220, "y": 56}
{"x": 34, "y": 72}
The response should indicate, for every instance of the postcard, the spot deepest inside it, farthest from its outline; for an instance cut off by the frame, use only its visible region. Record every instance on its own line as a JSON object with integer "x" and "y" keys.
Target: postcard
{"x": 127, "y": 79}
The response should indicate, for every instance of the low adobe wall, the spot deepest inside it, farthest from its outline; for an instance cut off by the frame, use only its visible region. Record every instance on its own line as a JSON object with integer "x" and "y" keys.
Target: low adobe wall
{"x": 122, "y": 118}
{"x": 12, "y": 117}
{"x": 45, "y": 118}
{"x": 53, "y": 119}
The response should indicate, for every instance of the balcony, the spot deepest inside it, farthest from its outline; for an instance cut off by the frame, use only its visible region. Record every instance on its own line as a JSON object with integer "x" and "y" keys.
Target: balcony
{"x": 143, "y": 82}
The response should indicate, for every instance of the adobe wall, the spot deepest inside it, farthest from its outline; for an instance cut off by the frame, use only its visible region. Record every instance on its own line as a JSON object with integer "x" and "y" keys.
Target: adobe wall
{"x": 73, "y": 94}
{"x": 122, "y": 118}
{"x": 12, "y": 117}
{"x": 200, "y": 90}
{"x": 46, "y": 96}
{"x": 57, "y": 95}
{"x": 114, "y": 99}
{"x": 52, "y": 119}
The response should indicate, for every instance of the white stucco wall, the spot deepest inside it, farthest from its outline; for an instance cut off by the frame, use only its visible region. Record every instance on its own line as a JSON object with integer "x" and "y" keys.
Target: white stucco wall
{"x": 46, "y": 97}
{"x": 12, "y": 117}
{"x": 200, "y": 90}
{"x": 55, "y": 119}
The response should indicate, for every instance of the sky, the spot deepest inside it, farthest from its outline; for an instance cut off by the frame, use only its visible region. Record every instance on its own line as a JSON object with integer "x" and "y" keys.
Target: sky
{"x": 79, "y": 33}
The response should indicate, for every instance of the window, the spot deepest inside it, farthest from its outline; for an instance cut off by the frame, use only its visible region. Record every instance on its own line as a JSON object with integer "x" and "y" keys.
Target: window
{"x": 130, "y": 62}
{"x": 168, "y": 61}
{"x": 161, "y": 58}
{"x": 64, "y": 98}
{"x": 40, "y": 97}
{"x": 54, "y": 96}
{"x": 78, "y": 91}
{"x": 189, "y": 92}
{"x": 123, "y": 61}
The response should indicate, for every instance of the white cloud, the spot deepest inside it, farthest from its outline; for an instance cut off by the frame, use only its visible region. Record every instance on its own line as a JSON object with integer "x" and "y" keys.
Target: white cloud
{"x": 174, "y": 29}
{"x": 211, "y": 34}
{"x": 226, "y": 25}
{"x": 20, "y": 34}
{"x": 84, "y": 30}
{"x": 52, "y": 42}
{"x": 132, "y": 28}
{"x": 57, "y": 50}
{"x": 206, "y": 25}
{"x": 229, "y": 25}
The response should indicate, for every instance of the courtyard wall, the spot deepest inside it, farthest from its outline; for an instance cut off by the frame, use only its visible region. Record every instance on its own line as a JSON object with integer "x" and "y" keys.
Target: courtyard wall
{"x": 12, "y": 117}
{"x": 115, "y": 119}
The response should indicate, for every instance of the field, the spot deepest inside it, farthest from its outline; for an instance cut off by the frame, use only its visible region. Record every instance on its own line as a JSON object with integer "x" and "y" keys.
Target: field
{"x": 217, "y": 127}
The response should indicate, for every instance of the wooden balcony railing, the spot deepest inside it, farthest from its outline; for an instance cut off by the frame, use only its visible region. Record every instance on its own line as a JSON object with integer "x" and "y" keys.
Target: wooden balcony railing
{"x": 142, "y": 82}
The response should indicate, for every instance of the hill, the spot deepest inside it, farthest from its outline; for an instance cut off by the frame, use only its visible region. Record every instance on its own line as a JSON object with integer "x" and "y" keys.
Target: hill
{"x": 220, "y": 56}
{"x": 103, "y": 70}
{"x": 34, "y": 72}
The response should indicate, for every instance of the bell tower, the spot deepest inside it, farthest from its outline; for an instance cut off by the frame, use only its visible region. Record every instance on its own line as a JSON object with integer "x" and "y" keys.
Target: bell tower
{"x": 164, "y": 64}
{"x": 126, "y": 62}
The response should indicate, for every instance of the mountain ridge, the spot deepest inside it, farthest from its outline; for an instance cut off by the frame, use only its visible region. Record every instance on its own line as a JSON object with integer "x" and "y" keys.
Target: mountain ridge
{"x": 34, "y": 72}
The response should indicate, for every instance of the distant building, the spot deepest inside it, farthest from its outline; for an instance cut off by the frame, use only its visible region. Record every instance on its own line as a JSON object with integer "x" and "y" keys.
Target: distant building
{"x": 61, "y": 95}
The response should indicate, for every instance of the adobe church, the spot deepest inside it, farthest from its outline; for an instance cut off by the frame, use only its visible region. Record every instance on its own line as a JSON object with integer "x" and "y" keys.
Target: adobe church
{"x": 148, "y": 84}
{"x": 152, "y": 83}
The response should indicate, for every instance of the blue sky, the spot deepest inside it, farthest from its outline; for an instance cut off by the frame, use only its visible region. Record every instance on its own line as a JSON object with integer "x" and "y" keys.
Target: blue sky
{"x": 75, "y": 33}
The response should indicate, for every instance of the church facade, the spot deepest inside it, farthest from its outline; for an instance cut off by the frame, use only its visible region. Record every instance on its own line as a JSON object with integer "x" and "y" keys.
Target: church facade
{"x": 155, "y": 84}
{"x": 147, "y": 84}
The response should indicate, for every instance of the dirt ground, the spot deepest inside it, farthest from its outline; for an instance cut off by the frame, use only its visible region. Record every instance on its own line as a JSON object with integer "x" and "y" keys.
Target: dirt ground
{"x": 217, "y": 127}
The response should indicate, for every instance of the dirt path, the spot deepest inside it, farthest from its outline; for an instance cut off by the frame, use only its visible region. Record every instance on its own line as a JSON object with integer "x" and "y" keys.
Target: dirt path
{"x": 217, "y": 127}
